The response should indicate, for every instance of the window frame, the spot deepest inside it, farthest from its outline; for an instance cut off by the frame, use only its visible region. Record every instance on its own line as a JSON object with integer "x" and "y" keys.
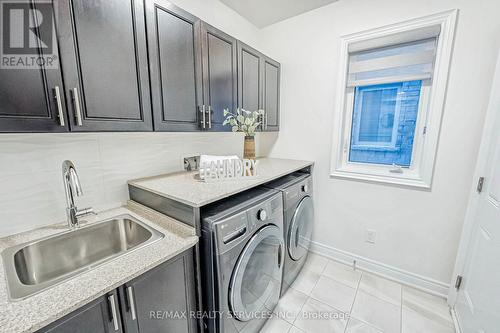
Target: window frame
{"x": 431, "y": 105}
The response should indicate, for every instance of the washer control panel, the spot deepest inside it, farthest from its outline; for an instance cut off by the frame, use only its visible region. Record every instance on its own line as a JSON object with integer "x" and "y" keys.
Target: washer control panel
{"x": 262, "y": 214}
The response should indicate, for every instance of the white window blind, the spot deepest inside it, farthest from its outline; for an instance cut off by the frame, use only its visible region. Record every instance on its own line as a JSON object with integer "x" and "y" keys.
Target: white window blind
{"x": 396, "y": 58}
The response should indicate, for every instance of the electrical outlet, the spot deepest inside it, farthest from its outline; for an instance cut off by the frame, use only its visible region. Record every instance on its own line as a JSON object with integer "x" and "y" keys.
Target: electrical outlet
{"x": 371, "y": 236}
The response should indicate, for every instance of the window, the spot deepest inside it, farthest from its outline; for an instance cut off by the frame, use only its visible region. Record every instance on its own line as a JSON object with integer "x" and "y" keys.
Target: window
{"x": 383, "y": 123}
{"x": 391, "y": 89}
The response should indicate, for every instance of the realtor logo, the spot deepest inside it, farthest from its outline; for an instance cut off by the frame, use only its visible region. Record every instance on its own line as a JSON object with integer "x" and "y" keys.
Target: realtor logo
{"x": 28, "y": 35}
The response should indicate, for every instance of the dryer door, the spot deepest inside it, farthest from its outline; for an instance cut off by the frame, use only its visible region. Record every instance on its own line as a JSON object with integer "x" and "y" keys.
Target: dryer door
{"x": 300, "y": 229}
{"x": 256, "y": 279}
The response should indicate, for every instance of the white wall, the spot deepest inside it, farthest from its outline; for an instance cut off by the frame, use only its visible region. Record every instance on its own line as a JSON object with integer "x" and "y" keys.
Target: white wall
{"x": 31, "y": 189}
{"x": 417, "y": 231}
{"x": 223, "y": 18}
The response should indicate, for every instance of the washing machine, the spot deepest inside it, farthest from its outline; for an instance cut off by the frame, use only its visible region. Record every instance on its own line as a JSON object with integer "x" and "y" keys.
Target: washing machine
{"x": 242, "y": 250}
{"x": 298, "y": 220}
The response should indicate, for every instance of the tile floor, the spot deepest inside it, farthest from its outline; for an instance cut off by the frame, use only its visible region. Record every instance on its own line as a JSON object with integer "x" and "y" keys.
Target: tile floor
{"x": 326, "y": 289}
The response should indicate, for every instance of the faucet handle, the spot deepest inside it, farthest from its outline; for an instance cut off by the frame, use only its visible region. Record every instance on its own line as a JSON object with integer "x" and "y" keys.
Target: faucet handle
{"x": 84, "y": 212}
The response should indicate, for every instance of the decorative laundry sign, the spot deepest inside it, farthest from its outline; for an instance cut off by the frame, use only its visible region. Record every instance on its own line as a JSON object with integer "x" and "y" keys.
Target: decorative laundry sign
{"x": 228, "y": 169}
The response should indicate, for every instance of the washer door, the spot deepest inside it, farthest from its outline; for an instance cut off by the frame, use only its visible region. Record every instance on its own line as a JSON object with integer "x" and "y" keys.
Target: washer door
{"x": 300, "y": 229}
{"x": 256, "y": 279}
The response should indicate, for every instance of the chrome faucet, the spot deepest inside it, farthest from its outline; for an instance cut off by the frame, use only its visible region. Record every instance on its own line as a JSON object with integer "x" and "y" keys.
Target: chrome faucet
{"x": 73, "y": 188}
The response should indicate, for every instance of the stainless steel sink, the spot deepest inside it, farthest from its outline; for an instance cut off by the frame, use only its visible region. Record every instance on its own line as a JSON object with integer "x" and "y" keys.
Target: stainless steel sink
{"x": 35, "y": 266}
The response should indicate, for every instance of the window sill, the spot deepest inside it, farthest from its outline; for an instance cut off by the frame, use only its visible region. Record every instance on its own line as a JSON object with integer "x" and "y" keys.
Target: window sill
{"x": 411, "y": 181}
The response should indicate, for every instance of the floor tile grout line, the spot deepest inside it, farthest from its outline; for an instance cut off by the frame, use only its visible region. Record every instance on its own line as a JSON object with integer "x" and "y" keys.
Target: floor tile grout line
{"x": 355, "y": 292}
{"x": 380, "y": 298}
{"x": 300, "y": 311}
{"x": 341, "y": 282}
{"x": 322, "y": 302}
{"x": 310, "y": 297}
{"x": 354, "y": 300}
{"x": 337, "y": 281}
{"x": 314, "y": 298}
{"x": 307, "y": 297}
{"x": 372, "y": 326}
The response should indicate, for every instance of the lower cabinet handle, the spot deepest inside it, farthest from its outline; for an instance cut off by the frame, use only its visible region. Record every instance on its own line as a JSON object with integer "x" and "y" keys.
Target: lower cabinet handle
{"x": 209, "y": 116}
{"x": 131, "y": 300}
{"x": 60, "y": 113}
{"x": 203, "y": 116}
{"x": 111, "y": 299}
{"x": 78, "y": 111}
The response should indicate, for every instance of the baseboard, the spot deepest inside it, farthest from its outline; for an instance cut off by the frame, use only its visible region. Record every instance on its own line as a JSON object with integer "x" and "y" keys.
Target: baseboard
{"x": 392, "y": 273}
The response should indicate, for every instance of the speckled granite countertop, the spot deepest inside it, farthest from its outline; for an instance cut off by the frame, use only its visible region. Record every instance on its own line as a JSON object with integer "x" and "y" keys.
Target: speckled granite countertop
{"x": 37, "y": 311}
{"x": 187, "y": 188}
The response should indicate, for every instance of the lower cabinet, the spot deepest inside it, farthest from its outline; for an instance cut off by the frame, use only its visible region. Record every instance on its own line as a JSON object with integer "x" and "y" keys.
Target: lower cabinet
{"x": 160, "y": 300}
{"x": 96, "y": 317}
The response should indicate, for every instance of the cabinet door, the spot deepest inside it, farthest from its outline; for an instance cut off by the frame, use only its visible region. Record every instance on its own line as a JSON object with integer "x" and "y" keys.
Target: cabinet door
{"x": 28, "y": 100}
{"x": 161, "y": 299}
{"x": 219, "y": 76}
{"x": 175, "y": 62}
{"x": 271, "y": 94}
{"x": 99, "y": 316}
{"x": 105, "y": 69}
{"x": 249, "y": 78}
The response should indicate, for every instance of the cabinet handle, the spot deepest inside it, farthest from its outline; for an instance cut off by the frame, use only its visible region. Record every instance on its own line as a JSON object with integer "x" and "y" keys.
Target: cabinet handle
{"x": 209, "y": 116}
{"x": 265, "y": 115}
{"x": 203, "y": 116}
{"x": 78, "y": 111}
{"x": 57, "y": 94}
{"x": 131, "y": 300}
{"x": 111, "y": 299}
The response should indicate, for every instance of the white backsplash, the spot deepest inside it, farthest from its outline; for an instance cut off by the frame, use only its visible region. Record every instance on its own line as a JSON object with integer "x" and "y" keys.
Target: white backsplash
{"x": 31, "y": 189}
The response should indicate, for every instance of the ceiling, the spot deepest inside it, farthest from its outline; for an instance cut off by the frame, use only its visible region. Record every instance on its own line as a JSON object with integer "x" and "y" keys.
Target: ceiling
{"x": 266, "y": 12}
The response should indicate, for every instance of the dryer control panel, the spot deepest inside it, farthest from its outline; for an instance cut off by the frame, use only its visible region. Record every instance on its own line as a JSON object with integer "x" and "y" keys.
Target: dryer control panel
{"x": 234, "y": 228}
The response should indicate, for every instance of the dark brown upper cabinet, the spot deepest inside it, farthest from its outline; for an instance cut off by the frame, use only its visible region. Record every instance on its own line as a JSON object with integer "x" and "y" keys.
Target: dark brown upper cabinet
{"x": 32, "y": 100}
{"x": 175, "y": 62}
{"x": 105, "y": 65}
{"x": 249, "y": 77}
{"x": 271, "y": 94}
{"x": 259, "y": 85}
{"x": 219, "y": 77}
{"x": 138, "y": 65}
